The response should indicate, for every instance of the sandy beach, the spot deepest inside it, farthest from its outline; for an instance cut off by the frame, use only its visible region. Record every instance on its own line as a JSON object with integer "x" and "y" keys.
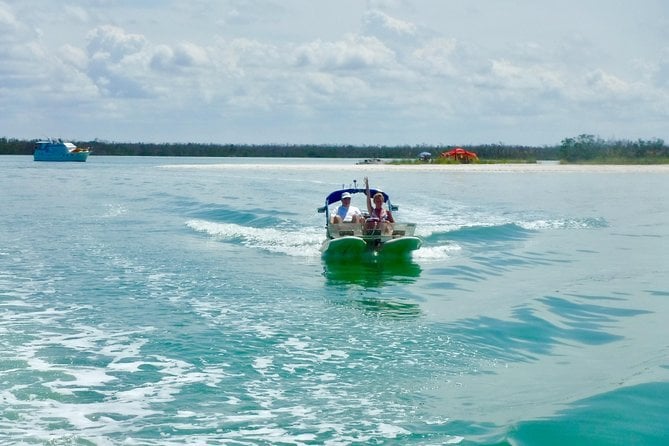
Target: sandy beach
{"x": 298, "y": 164}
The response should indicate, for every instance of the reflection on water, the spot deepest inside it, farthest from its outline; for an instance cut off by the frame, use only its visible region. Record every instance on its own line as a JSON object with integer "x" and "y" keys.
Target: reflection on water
{"x": 390, "y": 308}
{"x": 373, "y": 273}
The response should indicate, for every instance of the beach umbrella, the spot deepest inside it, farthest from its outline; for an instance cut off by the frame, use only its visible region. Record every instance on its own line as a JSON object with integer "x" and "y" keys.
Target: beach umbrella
{"x": 455, "y": 152}
{"x": 460, "y": 154}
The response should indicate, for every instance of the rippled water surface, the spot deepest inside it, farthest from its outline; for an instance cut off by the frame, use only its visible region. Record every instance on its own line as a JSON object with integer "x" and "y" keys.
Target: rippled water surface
{"x": 161, "y": 301}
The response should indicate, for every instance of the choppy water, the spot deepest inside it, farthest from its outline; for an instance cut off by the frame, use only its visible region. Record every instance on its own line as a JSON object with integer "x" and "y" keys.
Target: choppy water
{"x": 162, "y": 301}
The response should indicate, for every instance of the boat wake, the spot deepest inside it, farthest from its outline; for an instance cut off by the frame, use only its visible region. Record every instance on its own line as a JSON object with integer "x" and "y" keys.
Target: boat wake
{"x": 441, "y": 240}
{"x": 303, "y": 243}
{"x": 503, "y": 227}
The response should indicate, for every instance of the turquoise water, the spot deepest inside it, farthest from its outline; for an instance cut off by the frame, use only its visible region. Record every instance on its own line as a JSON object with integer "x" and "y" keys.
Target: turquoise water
{"x": 161, "y": 301}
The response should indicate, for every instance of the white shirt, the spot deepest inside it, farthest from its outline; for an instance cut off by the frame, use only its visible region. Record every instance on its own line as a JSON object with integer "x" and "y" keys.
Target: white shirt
{"x": 347, "y": 213}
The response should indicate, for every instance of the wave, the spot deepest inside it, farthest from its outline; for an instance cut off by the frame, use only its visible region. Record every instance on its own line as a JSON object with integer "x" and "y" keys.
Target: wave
{"x": 443, "y": 235}
{"x": 303, "y": 243}
{"x": 640, "y": 419}
{"x": 506, "y": 230}
{"x": 565, "y": 223}
{"x": 436, "y": 252}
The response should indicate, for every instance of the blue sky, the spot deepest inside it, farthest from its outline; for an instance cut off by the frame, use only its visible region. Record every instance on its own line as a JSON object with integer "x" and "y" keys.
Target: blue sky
{"x": 382, "y": 72}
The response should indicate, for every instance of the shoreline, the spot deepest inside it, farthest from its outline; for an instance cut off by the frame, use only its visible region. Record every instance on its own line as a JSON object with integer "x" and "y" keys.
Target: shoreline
{"x": 259, "y": 163}
{"x": 451, "y": 168}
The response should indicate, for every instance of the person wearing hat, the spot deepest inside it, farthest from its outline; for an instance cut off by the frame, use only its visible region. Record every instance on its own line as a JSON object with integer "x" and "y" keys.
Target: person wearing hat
{"x": 346, "y": 213}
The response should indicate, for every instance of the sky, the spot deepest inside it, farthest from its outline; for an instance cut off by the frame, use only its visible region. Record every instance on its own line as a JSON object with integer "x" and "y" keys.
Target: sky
{"x": 360, "y": 72}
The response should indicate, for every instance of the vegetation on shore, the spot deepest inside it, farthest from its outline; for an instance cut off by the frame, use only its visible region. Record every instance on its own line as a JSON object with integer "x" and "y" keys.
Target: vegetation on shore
{"x": 581, "y": 149}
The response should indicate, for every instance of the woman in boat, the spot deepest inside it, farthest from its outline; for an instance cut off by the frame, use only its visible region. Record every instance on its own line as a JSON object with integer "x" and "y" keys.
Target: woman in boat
{"x": 379, "y": 217}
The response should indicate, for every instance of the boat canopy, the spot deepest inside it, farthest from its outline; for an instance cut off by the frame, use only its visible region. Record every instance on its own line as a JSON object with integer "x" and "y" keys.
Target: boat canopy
{"x": 336, "y": 195}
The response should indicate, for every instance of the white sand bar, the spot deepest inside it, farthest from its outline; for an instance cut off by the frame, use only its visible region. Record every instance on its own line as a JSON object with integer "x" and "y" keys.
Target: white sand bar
{"x": 295, "y": 163}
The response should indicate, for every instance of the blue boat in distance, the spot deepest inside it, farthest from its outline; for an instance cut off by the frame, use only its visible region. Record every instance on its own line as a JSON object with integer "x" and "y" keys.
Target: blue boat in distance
{"x": 57, "y": 150}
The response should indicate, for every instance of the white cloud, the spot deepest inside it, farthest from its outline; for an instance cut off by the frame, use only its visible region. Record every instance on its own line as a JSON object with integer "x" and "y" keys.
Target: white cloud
{"x": 392, "y": 72}
{"x": 438, "y": 57}
{"x": 183, "y": 56}
{"x": 113, "y": 43}
{"x": 378, "y": 22}
{"x": 507, "y": 75}
{"x": 602, "y": 83}
{"x": 73, "y": 56}
{"x": 351, "y": 53}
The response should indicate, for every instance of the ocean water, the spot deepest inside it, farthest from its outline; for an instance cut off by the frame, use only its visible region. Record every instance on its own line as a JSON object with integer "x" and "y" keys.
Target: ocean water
{"x": 183, "y": 301}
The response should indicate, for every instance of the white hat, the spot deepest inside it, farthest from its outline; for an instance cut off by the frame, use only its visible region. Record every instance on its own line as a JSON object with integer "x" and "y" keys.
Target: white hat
{"x": 345, "y": 195}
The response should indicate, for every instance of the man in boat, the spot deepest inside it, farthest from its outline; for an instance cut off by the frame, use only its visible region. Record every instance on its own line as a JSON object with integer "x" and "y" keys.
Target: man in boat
{"x": 346, "y": 213}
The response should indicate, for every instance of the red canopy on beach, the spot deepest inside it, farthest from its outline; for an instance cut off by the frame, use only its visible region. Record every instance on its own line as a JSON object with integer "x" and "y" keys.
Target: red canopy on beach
{"x": 459, "y": 153}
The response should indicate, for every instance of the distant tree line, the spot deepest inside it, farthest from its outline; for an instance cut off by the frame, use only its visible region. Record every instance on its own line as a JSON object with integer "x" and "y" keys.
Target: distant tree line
{"x": 589, "y": 148}
{"x": 583, "y": 148}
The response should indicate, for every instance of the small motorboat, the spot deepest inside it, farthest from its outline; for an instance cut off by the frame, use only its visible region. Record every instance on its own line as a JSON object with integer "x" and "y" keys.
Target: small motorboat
{"x": 347, "y": 240}
{"x": 57, "y": 150}
{"x": 371, "y": 161}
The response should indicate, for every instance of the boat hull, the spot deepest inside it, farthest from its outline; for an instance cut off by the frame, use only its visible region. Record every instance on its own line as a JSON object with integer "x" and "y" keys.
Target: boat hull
{"x": 347, "y": 246}
{"x": 77, "y": 157}
{"x": 353, "y": 247}
{"x": 388, "y": 239}
{"x": 53, "y": 150}
{"x": 400, "y": 246}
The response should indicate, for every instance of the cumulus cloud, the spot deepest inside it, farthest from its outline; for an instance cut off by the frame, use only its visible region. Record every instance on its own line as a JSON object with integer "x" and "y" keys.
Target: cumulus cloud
{"x": 244, "y": 12}
{"x": 609, "y": 90}
{"x": 378, "y": 22}
{"x": 117, "y": 61}
{"x": 392, "y": 61}
{"x": 437, "y": 56}
{"x": 352, "y": 53}
{"x": 605, "y": 83}
{"x": 183, "y": 56}
{"x": 328, "y": 88}
{"x": 113, "y": 43}
{"x": 505, "y": 74}
{"x": 242, "y": 53}
{"x": 74, "y": 56}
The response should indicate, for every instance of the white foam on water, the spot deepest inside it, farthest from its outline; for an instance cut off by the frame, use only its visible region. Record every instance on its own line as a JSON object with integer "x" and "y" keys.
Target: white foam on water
{"x": 114, "y": 210}
{"x": 563, "y": 223}
{"x": 81, "y": 379}
{"x": 455, "y": 216}
{"x": 262, "y": 364}
{"x": 391, "y": 431}
{"x": 438, "y": 252}
{"x": 120, "y": 406}
{"x": 304, "y": 243}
